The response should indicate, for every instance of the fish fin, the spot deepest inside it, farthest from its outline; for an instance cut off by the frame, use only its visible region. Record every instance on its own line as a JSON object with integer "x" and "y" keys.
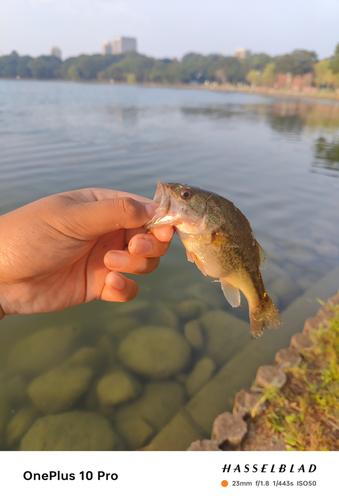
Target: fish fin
{"x": 190, "y": 256}
{"x": 231, "y": 293}
{"x": 262, "y": 256}
{"x": 264, "y": 316}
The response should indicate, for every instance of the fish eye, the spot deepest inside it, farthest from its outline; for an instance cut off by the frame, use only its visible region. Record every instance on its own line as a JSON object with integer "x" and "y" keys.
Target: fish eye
{"x": 186, "y": 193}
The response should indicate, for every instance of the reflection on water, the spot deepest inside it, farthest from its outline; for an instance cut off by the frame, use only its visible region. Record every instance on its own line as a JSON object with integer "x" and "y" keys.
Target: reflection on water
{"x": 113, "y": 376}
{"x": 327, "y": 151}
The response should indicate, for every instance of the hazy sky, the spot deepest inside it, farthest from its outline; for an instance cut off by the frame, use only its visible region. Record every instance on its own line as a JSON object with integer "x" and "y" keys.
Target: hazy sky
{"x": 169, "y": 28}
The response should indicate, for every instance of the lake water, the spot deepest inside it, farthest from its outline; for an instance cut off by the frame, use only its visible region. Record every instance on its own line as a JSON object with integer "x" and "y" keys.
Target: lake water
{"x": 276, "y": 159}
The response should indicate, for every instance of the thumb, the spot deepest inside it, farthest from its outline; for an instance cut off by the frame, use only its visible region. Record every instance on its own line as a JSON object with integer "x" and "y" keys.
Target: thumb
{"x": 100, "y": 217}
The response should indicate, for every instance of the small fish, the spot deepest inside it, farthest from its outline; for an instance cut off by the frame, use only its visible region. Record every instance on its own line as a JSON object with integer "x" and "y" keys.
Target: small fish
{"x": 219, "y": 240}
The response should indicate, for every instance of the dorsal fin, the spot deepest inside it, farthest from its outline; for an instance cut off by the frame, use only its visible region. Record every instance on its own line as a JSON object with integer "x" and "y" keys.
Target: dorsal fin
{"x": 231, "y": 293}
{"x": 262, "y": 257}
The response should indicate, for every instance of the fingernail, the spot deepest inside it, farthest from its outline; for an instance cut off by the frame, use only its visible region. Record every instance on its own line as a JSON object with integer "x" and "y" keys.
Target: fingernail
{"x": 143, "y": 246}
{"x": 151, "y": 208}
{"x": 116, "y": 260}
{"x": 116, "y": 281}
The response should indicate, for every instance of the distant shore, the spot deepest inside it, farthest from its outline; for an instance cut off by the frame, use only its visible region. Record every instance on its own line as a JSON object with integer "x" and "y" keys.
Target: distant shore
{"x": 311, "y": 93}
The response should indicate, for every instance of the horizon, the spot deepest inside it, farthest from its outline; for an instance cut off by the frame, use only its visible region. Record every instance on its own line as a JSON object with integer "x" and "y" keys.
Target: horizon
{"x": 169, "y": 31}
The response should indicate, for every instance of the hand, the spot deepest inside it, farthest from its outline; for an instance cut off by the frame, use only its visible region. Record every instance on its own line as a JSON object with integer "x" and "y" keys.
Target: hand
{"x": 66, "y": 249}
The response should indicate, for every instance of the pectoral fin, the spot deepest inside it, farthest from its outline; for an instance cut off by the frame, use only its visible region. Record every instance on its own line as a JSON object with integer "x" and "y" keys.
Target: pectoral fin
{"x": 231, "y": 293}
{"x": 190, "y": 256}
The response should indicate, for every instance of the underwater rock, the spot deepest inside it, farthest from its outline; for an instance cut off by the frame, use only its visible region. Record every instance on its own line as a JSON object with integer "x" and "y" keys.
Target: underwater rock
{"x": 156, "y": 352}
{"x": 117, "y": 387}
{"x": 4, "y": 415}
{"x": 162, "y": 315}
{"x": 225, "y": 335}
{"x": 211, "y": 295}
{"x": 16, "y": 388}
{"x": 194, "y": 335}
{"x": 87, "y": 356}
{"x": 159, "y": 402}
{"x": 285, "y": 289}
{"x": 58, "y": 389}
{"x": 73, "y": 431}
{"x": 228, "y": 427}
{"x": 42, "y": 350}
{"x": 120, "y": 326}
{"x": 191, "y": 309}
{"x": 20, "y": 423}
{"x": 204, "y": 445}
{"x": 270, "y": 375}
{"x": 201, "y": 374}
{"x": 136, "y": 432}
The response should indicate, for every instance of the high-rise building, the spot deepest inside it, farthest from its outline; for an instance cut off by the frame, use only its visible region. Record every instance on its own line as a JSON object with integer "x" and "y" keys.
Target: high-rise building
{"x": 107, "y": 48}
{"x": 123, "y": 44}
{"x": 56, "y": 52}
{"x": 242, "y": 53}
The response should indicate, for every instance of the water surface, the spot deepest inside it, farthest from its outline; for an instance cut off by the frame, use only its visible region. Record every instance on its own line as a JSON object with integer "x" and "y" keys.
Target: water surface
{"x": 276, "y": 159}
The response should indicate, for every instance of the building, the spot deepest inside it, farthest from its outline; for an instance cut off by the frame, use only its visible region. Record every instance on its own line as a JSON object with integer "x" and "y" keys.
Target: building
{"x": 123, "y": 44}
{"x": 242, "y": 53}
{"x": 107, "y": 48}
{"x": 56, "y": 52}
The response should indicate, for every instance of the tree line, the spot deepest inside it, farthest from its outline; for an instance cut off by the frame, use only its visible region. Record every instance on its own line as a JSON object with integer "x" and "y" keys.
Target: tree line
{"x": 257, "y": 69}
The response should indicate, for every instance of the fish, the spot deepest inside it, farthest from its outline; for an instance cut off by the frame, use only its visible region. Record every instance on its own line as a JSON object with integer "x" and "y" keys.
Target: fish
{"x": 219, "y": 239}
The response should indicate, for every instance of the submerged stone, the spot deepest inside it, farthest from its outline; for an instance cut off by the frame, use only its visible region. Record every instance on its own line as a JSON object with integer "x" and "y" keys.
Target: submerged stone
{"x": 116, "y": 388}
{"x": 136, "y": 432}
{"x": 73, "y": 431}
{"x": 42, "y": 350}
{"x": 163, "y": 315}
{"x": 159, "y": 402}
{"x": 191, "y": 309}
{"x": 201, "y": 374}
{"x": 194, "y": 335}
{"x": 20, "y": 423}
{"x": 155, "y": 351}
{"x": 270, "y": 375}
{"x": 225, "y": 335}
{"x": 58, "y": 389}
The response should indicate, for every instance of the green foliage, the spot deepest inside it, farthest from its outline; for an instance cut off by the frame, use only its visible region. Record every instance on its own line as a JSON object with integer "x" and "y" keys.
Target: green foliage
{"x": 45, "y": 67}
{"x": 305, "y": 412}
{"x": 298, "y": 62}
{"x": 268, "y": 75}
{"x": 334, "y": 65}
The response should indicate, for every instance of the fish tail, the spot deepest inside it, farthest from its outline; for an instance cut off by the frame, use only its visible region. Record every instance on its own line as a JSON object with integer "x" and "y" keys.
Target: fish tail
{"x": 265, "y": 315}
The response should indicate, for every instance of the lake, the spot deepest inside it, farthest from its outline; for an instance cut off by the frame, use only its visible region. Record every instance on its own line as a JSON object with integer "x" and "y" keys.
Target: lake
{"x": 276, "y": 159}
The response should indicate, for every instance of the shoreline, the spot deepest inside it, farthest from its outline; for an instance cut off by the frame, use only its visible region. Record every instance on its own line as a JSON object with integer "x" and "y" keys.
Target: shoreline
{"x": 269, "y": 92}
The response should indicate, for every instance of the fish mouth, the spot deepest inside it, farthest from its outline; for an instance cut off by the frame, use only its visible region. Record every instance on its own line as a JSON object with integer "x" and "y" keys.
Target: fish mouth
{"x": 163, "y": 215}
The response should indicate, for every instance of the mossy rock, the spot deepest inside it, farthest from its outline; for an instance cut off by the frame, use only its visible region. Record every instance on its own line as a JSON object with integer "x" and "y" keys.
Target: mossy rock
{"x": 225, "y": 335}
{"x": 58, "y": 389}
{"x": 159, "y": 402}
{"x": 42, "y": 350}
{"x": 116, "y": 388}
{"x": 73, "y": 431}
{"x": 20, "y": 423}
{"x": 155, "y": 352}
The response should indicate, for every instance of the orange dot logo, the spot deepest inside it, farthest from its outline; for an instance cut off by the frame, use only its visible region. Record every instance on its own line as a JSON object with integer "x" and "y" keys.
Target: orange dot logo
{"x": 224, "y": 483}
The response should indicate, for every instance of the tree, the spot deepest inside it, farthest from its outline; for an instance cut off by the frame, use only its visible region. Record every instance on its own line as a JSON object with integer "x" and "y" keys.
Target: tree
{"x": 254, "y": 77}
{"x": 334, "y": 64}
{"x": 298, "y": 62}
{"x": 268, "y": 75}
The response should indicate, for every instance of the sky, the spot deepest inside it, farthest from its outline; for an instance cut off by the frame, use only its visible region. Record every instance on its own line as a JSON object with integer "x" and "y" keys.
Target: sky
{"x": 169, "y": 28}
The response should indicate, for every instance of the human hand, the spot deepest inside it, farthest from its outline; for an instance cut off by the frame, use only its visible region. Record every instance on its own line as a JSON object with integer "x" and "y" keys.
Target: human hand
{"x": 70, "y": 248}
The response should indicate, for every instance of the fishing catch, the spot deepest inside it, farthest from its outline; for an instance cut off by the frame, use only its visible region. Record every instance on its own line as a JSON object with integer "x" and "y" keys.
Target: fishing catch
{"x": 219, "y": 239}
